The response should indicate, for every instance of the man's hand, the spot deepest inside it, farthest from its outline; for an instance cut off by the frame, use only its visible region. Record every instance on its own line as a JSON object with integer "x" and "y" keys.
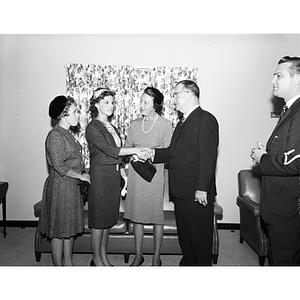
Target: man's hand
{"x": 258, "y": 152}
{"x": 148, "y": 152}
{"x": 201, "y": 197}
{"x": 140, "y": 154}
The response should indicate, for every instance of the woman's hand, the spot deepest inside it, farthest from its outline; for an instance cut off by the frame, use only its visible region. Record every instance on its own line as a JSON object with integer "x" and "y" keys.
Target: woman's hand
{"x": 142, "y": 153}
{"x": 85, "y": 177}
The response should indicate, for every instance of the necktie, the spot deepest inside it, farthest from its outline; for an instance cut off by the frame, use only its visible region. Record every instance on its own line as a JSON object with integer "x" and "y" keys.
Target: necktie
{"x": 182, "y": 120}
{"x": 283, "y": 111}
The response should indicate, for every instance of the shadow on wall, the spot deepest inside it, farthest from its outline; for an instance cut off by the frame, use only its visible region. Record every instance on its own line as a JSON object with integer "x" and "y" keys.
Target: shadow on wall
{"x": 278, "y": 103}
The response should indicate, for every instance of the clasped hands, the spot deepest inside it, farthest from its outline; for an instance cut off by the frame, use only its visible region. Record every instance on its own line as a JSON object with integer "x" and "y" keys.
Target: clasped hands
{"x": 257, "y": 152}
{"x": 143, "y": 154}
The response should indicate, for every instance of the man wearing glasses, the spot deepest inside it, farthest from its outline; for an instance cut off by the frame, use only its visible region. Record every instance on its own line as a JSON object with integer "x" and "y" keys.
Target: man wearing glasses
{"x": 192, "y": 157}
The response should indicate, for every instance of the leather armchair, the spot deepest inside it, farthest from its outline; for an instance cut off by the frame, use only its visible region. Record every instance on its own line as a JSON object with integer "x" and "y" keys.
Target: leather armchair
{"x": 3, "y": 191}
{"x": 251, "y": 226}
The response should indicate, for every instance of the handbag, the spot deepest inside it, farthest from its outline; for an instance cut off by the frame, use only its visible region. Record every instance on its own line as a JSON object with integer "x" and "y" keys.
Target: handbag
{"x": 84, "y": 189}
{"x": 144, "y": 168}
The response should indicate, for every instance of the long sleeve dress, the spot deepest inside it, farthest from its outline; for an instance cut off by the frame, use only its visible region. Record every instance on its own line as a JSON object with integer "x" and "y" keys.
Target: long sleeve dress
{"x": 104, "y": 193}
{"x": 62, "y": 205}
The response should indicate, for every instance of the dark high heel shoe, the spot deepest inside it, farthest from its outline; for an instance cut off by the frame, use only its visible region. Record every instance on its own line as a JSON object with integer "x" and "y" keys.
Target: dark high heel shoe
{"x": 141, "y": 262}
{"x": 92, "y": 264}
{"x": 159, "y": 264}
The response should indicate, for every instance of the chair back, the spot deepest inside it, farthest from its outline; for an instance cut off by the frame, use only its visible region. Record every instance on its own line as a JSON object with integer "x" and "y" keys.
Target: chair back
{"x": 3, "y": 190}
{"x": 249, "y": 184}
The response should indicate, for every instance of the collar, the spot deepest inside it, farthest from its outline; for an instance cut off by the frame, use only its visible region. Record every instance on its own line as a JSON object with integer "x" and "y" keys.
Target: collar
{"x": 189, "y": 112}
{"x": 291, "y": 101}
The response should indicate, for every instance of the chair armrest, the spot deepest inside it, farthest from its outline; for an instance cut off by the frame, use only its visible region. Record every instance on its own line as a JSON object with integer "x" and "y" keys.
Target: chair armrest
{"x": 37, "y": 209}
{"x": 249, "y": 205}
{"x": 218, "y": 211}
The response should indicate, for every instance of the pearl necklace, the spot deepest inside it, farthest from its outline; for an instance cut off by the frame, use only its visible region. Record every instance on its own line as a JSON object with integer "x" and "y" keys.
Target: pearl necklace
{"x": 151, "y": 126}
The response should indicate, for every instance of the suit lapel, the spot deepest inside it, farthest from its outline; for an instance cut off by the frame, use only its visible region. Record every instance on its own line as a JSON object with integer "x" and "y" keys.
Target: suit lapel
{"x": 275, "y": 130}
{"x": 281, "y": 120}
{"x": 108, "y": 135}
{"x": 181, "y": 125}
{"x": 191, "y": 116}
{"x": 176, "y": 133}
{"x": 284, "y": 117}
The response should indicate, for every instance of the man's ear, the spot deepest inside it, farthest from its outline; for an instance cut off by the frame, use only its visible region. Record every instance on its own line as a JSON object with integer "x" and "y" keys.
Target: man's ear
{"x": 190, "y": 96}
{"x": 297, "y": 79}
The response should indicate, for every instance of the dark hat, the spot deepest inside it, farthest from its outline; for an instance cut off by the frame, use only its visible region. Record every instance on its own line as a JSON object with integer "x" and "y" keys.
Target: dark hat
{"x": 57, "y": 106}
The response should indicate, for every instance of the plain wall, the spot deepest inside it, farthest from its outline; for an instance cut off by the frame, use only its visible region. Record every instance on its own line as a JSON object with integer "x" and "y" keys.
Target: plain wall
{"x": 234, "y": 76}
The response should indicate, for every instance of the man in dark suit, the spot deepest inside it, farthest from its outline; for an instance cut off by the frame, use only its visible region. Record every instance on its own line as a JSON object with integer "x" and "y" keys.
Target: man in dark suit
{"x": 280, "y": 166}
{"x": 192, "y": 157}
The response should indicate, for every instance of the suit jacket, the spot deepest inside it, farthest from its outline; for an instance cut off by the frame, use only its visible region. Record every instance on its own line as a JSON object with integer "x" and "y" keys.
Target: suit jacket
{"x": 280, "y": 168}
{"x": 102, "y": 147}
{"x": 192, "y": 155}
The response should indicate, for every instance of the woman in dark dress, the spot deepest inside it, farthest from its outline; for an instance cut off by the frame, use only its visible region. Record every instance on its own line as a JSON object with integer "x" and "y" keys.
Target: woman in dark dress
{"x": 62, "y": 206}
{"x": 105, "y": 150}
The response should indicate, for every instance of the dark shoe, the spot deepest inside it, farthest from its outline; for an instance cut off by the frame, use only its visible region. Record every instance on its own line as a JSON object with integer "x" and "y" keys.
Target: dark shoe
{"x": 184, "y": 262}
{"x": 159, "y": 264}
{"x": 92, "y": 264}
{"x": 141, "y": 262}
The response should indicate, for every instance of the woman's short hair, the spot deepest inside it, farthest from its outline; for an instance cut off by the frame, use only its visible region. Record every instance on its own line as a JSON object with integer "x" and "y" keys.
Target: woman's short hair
{"x": 98, "y": 95}
{"x": 65, "y": 112}
{"x": 158, "y": 98}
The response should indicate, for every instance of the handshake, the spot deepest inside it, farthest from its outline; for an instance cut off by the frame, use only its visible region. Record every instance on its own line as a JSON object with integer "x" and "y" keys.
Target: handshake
{"x": 143, "y": 154}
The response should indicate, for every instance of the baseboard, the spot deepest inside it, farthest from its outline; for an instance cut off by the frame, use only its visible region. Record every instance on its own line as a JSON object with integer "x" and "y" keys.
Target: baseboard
{"x": 228, "y": 226}
{"x": 19, "y": 223}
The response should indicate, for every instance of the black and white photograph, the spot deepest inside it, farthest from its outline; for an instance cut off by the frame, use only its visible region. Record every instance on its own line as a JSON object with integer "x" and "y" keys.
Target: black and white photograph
{"x": 157, "y": 141}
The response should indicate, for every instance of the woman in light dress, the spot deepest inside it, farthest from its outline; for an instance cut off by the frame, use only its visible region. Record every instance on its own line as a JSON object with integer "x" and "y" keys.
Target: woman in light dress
{"x": 144, "y": 200}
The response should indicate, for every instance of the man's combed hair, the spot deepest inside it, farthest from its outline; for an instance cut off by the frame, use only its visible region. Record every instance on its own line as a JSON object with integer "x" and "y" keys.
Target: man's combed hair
{"x": 295, "y": 64}
{"x": 191, "y": 86}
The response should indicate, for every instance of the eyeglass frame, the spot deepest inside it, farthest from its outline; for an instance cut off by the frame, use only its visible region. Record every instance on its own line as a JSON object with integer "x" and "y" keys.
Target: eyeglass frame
{"x": 174, "y": 95}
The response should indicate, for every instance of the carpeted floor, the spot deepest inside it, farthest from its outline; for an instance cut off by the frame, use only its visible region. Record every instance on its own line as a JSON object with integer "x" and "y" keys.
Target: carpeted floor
{"x": 17, "y": 249}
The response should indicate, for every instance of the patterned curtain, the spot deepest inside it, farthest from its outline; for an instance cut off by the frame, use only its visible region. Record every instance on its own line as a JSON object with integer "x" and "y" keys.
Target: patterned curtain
{"x": 128, "y": 83}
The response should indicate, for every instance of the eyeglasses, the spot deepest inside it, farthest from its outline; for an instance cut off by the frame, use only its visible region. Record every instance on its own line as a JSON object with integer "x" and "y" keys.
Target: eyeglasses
{"x": 177, "y": 93}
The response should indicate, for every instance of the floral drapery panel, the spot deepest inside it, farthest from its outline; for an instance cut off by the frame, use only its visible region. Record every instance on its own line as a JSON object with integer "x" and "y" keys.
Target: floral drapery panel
{"x": 128, "y": 83}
